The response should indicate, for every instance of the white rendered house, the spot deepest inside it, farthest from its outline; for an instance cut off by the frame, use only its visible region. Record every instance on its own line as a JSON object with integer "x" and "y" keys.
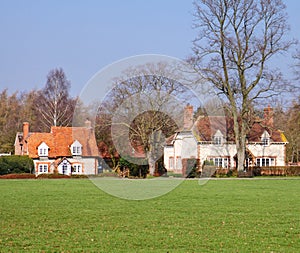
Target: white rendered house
{"x": 211, "y": 138}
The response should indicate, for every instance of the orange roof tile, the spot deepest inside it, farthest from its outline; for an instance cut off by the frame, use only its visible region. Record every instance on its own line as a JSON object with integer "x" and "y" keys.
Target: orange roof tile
{"x": 60, "y": 139}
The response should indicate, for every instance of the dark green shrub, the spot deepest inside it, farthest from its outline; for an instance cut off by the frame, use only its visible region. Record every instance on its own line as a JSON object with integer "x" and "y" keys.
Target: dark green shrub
{"x": 136, "y": 169}
{"x": 15, "y": 164}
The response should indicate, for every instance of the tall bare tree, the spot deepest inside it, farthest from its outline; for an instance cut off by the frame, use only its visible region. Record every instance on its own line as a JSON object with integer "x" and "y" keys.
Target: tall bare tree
{"x": 143, "y": 111}
{"x": 237, "y": 40}
{"x": 54, "y": 103}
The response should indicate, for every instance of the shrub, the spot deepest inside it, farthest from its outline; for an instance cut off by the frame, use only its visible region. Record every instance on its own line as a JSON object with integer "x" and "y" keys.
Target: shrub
{"x": 135, "y": 169}
{"x": 15, "y": 164}
{"x": 53, "y": 176}
{"x": 18, "y": 176}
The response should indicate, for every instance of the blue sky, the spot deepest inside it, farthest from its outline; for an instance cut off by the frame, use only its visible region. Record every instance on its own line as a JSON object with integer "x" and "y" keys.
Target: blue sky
{"x": 83, "y": 36}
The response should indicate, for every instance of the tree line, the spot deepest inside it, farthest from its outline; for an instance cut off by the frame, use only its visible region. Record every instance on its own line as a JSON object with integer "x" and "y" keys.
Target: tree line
{"x": 50, "y": 106}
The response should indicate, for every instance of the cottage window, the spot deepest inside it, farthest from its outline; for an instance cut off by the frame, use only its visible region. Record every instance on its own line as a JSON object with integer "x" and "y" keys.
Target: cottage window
{"x": 265, "y": 162}
{"x": 43, "y": 150}
{"x": 221, "y": 162}
{"x": 265, "y": 138}
{"x": 178, "y": 163}
{"x": 77, "y": 168}
{"x": 43, "y": 168}
{"x": 76, "y": 149}
{"x": 217, "y": 140}
{"x": 266, "y": 141}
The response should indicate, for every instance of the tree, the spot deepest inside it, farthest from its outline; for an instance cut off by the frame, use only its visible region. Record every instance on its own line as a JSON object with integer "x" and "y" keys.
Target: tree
{"x": 143, "y": 111}
{"x": 292, "y": 131}
{"x": 54, "y": 104}
{"x": 237, "y": 40}
{"x": 10, "y": 110}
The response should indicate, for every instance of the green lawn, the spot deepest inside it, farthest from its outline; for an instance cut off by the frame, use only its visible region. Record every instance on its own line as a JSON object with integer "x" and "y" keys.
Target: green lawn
{"x": 221, "y": 216}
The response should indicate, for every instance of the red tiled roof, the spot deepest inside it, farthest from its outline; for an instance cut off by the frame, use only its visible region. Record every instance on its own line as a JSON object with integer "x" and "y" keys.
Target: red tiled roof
{"x": 60, "y": 139}
{"x": 206, "y": 127}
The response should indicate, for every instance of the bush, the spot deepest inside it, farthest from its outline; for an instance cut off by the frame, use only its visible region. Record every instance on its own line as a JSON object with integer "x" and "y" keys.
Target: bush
{"x": 53, "y": 176}
{"x": 18, "y": 176}
{"x": 15, "y": 164}
{"x": 277, "y": 171}
{"x": 135, "y": 169}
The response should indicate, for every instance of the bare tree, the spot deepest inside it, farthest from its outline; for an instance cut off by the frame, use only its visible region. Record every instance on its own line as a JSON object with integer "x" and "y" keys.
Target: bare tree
{"x": 54, "y": 104}
{"x": 144, "y": 110}
{"x": 236, "y": 41}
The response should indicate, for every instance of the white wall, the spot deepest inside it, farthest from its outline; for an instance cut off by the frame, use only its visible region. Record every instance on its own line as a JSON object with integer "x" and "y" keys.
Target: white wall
{"x": 273, "y": 150}
{"x": 89, "y": 166}
{"x": 185, "y": 146}
{"x": 211, "y": 150}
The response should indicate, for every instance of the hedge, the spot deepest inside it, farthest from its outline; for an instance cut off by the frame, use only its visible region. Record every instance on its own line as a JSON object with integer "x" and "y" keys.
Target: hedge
{"x": 16, "y": 164}
{"x": 18, "y": 176}
{"x": 276, "y": 171}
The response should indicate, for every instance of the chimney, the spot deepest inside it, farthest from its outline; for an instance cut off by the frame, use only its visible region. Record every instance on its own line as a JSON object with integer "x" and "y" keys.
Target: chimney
{"x": 25, "y": 130}
{"x": 24, "y": 148}
{"x": 188, "y": 117}
{"x": 268, "y": 117}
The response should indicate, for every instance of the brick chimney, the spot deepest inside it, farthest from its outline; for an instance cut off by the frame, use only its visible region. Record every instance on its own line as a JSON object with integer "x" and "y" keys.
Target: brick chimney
{"x": 268, "y": 117}
{"x": 188, "y": 117}
{"x": 25, "y": 130}
{"x": 25, "y": 136}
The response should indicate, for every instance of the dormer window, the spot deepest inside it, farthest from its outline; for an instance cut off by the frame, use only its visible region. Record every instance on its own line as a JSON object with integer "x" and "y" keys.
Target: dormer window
{"x": 43, "y": 150}
{"x": 218, "y": 138}
{"x": 76, "y": 148}
{"x": 265, "y": 139}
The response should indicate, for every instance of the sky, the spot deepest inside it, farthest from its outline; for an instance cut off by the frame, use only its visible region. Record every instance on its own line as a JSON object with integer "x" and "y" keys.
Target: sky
{"x": 84, "y": 36}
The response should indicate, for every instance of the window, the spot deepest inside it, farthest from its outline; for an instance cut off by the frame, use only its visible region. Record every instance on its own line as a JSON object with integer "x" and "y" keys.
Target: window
{"x": 178, "y": 163}
{"x": 43, "y": 149}
{"x": 217, "y": 140}
{"x": 265, "y": 138}
{"x": 77, "y": 168}
{"x": 221, "y": 162}
{"x": 265, "y": 161}
{"x": 266, "y": 141}
{"x": 43, "y": 168}
{"x": 76, "y": 148}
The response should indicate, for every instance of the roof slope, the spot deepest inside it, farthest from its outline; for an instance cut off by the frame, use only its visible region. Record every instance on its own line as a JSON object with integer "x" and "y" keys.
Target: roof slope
{"x": 206, "y": 127}
{"x": 60, "y": 139}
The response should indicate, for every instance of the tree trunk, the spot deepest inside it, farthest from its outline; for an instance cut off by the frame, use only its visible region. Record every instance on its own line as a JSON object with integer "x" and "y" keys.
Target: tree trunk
{"x": 241, "y": 154}
{"x": 151, "y": 163}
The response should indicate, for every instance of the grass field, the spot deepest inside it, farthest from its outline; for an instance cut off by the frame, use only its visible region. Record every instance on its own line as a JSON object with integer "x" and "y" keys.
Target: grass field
{"x": 221, "y": 216}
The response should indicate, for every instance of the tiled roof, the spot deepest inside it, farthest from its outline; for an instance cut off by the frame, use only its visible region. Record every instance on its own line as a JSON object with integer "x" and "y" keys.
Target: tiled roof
{"x": 206, "y": 127}
{"x": 60, "y": 139}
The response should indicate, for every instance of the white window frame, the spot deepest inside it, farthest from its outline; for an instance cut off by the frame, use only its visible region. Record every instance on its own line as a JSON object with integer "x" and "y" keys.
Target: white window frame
{"x": 43, "y": 150}
{"x": 77, "y": 168}
{"x": 218, "y": 140}
{"x": 221, "y": 162}
{"x": 42, "y": 168}
{"x": 265, "y": 141}
{"x": 76, "y": 148}
{"x": 265, "y": 161}
{"x": 178, "y": 163}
